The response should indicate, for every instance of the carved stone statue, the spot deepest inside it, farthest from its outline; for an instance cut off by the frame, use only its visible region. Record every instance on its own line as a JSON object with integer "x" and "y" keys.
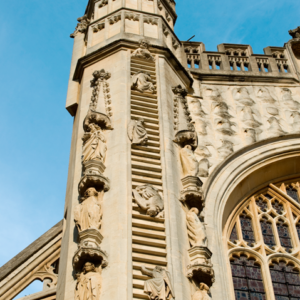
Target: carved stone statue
{"x": 142, "y": 82}
{"x": 265, "y": 96}
{"x": 88, "y": 286}
{"x": 196, "y": 229}
{"x": 296, "y": 123}
{"x": 202, "y": 293}
{"x": 88, "y": 214}
{"x": 204, "y": 166}
{"x": 189, "y": 162}
{"x": 295, "y": 33}
{"x": 248, "y": 118}
{"x": 94, "y": 144}
{"x": 160, "y": 286}
{"x": 250, "y": 136}
{"x": 242, "y": 96}
{"x": 137, "y": 132}
{"x": 148, "y": 198}
{"x": 288, "y": 99}
{"x": 226, "y": 149}
{"x": 142, "y": 51}
{"x": 81, "y": 26}
{"x": 275, "y": 128}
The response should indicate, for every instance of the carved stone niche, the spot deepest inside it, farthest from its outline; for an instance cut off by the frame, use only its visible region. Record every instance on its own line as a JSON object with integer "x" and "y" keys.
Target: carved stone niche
{"x": 201, "y": 268}
{"x": 90, "y": 254}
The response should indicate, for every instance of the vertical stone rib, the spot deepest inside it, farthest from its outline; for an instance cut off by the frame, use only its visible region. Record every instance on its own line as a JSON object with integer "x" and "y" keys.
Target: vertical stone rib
{"x": 148, "y": 233}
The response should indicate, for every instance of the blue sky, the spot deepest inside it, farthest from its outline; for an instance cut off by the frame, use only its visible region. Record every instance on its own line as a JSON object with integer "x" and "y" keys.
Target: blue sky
{"x": 35, "y": 127}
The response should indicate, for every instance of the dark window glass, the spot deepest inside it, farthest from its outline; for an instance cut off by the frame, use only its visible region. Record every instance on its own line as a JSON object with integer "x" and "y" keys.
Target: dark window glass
{"x": 286, "y": 282}
{"x": 298, "y": 230}
{"x": 284, "y": 235}
{"x": 268, "y": 196}
{"x": 233, "y": 235}
{"x": 263, "y": 205}
{"x": 247, "y": 231}
{"x": 247, "y": 279}
{"x": 292, "y": 193}
{"x": 278, "y": 207}
{"x": 267, "y": 232}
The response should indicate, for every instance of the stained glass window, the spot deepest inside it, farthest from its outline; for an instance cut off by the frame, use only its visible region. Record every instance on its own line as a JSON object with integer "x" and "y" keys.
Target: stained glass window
{"x": 284, "y": 235}
{"x": 263, "y": 205}
{"x": 268, "y": 196}
{"x": 292, "y": 193}
{"x": 267, "y": 232}
{"x": 234, "y": 236}
{"x": 298, "y": 230}
{"x": 247, "y": 279}
{"x": 247, "y": 231}
{"x": 278, "y": 207}
{"x": 286, "y": 281}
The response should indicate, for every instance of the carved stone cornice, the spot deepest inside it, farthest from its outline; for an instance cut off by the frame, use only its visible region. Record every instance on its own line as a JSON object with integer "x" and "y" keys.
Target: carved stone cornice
{"x": 99, "y": 182}
{"x": 150, "y": 20}
{"x": 98, "y": 27}
{"x": 132, "y": 16}
{"x": 102, "y": 52}
{"x": 114, "y": 19}
{"x": 93, "y": 255}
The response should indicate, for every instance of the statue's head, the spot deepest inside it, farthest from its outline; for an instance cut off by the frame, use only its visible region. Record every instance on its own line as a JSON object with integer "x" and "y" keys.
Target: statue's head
{"x": 90, "y": 192}
{"x": 89, "y": 267}
{"x": 194, "y": 210}
{"x": 158, "y": 268}
{"x": 203, "y": 286}
{"x": 144, "y": 44}
{"x": 188, "y": 147}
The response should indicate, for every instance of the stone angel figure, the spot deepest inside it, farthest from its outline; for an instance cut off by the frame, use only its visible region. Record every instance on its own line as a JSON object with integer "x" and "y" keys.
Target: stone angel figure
{"x": 143, "y": 51}
{"x": 137, "y": 132}
{"x": 94, "y": 144}
{"x": 160, "y": 286}
{"x": 202, "y": 293}
{"x": 148, "y": 198}
{"x": 88, "y": 286}
{"x": 88, "y": 214}
{"x": 142, "y": 82}
{"x": 196, "y": 229}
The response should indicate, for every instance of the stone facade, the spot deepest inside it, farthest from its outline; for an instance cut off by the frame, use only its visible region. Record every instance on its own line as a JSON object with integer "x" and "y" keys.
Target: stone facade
{"x": 170, "y": 144}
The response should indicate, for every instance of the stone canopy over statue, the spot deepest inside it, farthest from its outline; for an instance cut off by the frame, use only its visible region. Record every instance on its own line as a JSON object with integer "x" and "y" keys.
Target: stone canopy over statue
{"x": 88, "y": 285}
{"x": 160, "y": 286}
{"x": 88, "y": 214}
{"x": 94, "y": 144}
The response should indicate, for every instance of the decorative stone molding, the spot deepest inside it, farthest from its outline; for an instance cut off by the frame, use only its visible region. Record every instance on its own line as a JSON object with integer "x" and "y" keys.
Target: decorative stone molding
{"x": 186, "y": 137}
{"x": 143, "y": 51}
{"x": 98, "y": 27}
{"x": 90, "y": 238}
{"x": 159, "y": 5}
{"x": 201, "y": 269}
{"x": 83, "y": 23}
{"x": 132, "y": 16}
{"x": 179, "y": 96}
{"x": 175, "y": 43}
{"x": 168, "y": 17}
{"x": 47, "y": 271}
{"x": 99, "y": 82}
{"x": 114, "y": 19}
{"x": 89, "y": 254}
{"x": 100, "y": 119}
{"x": 149, "y": 20}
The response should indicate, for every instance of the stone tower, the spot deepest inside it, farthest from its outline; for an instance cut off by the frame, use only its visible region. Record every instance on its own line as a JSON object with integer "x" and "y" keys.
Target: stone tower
{"x": 184, "y": 178}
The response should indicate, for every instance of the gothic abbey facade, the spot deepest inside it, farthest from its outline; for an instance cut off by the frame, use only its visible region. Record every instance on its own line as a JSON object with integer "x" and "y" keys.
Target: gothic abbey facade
{"x": 184, "y": 172}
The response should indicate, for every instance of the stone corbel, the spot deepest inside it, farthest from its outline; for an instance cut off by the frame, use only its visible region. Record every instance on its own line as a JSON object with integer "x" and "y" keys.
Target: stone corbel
{"x": 192, "y": 194}
{"x": 165, "y": 30}
{"x": 93, "y": 117}
{"x": 152, "y": 21}
{"x": 114, "y": 19}
{"x": 131, "y": 16}
{"x": 102, "y": 3}
{"x": 200, "y": 270}
{"x": 97, "y": 181}
{"x": 98, "y": 27}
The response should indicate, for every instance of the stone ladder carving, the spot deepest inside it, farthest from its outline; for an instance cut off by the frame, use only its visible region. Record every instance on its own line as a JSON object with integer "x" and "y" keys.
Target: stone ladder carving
{"x": 148, "y": 233}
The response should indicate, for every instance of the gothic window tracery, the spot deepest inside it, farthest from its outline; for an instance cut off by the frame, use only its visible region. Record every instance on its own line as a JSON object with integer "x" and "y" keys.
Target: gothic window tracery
{"x": 268, "y": 223}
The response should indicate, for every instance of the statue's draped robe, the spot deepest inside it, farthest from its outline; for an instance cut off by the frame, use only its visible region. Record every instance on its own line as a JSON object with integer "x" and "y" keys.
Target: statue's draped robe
{"x": 94, "y": 148}
{"x": 196, "y": 230}
{"x": 88, "y": 214}
{"x": 159, "y": 287}
{"x": 137, "y": 132}
{"x": 189, "y": 162}
{"x": 88, "y": 286}
{"x": 143, "y": 83}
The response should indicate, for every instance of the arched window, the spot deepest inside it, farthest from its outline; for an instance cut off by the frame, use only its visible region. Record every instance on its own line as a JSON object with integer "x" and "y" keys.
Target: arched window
{"x": 267, "y": 223}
